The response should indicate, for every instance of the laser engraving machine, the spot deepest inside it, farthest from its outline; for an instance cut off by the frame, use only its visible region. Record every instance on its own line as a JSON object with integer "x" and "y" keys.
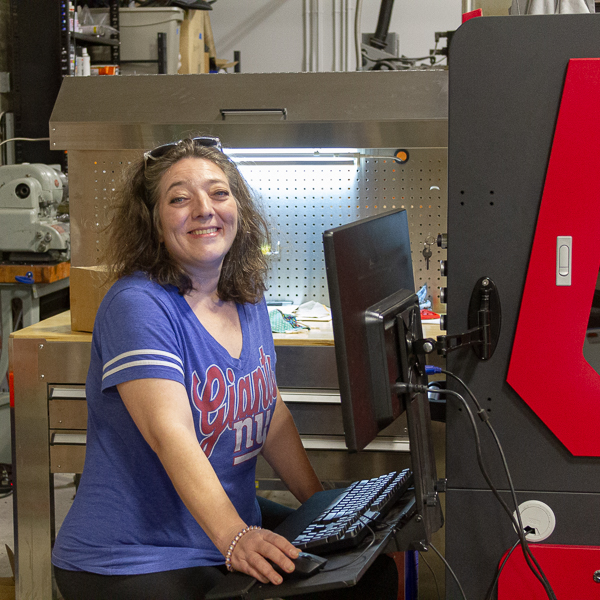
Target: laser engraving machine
{"x": 524, "y": 215}
{"x": 30, "y": 228}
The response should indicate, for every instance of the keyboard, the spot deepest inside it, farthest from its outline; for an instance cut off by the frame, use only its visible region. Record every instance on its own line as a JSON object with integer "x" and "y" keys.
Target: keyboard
{"x": 345, "y": 522}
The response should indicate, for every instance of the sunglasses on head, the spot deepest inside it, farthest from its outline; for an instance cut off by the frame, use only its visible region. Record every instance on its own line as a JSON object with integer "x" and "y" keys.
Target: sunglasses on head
{"x": 207, "y": 141}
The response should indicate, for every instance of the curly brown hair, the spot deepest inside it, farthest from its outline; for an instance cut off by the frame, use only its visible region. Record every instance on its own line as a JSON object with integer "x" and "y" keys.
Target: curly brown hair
{"x": 134, "y": 233}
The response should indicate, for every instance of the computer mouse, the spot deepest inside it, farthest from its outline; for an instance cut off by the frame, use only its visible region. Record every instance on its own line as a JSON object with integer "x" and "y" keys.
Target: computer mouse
{"x": 306, "y": 564}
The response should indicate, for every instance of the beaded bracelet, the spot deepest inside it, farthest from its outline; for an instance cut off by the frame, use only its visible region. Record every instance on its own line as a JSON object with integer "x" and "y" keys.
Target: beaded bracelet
{"x": 233, "y": 544}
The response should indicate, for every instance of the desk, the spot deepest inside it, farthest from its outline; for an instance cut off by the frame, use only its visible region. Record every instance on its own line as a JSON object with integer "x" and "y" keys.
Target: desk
{"x": 49, "y": 363}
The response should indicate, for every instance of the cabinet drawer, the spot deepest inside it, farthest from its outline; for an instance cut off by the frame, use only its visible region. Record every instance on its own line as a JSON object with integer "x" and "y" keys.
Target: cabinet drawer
{"x": 67, "y": 459}
{"x": 67, "y": 451}
{"x": 67, "y": 414}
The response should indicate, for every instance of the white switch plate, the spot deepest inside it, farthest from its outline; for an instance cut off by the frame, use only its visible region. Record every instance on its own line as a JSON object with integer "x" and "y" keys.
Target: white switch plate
{"x": 564, "y": 259}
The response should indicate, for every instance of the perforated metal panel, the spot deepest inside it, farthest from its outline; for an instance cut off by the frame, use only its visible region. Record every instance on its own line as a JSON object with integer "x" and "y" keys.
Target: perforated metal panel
{"x": 301, "y": 201}
{"x": 93, "y": 177}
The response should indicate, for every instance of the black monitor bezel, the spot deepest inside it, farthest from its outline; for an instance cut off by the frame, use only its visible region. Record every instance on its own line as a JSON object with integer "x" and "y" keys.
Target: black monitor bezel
{"x": 400, "y": 310}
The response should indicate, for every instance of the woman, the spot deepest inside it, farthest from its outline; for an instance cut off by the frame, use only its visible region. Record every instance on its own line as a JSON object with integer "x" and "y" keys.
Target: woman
{"x": 182, "y": 397}
{"x": 181, "y": 394}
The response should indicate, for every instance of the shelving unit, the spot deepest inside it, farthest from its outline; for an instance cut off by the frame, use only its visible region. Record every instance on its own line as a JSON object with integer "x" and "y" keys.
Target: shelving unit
{"x": 37, "y": 75}
{"x": 70, "y": 40}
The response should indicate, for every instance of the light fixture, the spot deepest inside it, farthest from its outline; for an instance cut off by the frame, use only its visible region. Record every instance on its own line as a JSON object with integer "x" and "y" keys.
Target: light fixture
{"x": 294, "y": 156}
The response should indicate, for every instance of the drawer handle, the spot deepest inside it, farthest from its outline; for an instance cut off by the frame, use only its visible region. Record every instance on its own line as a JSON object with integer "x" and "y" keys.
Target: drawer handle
{"x": 250, "y": 112}
{"x": 311, "y": 398}
{"x": 68, "y": 439}
{"x": 388, "y": 444}
{"x": 67, "y": 393}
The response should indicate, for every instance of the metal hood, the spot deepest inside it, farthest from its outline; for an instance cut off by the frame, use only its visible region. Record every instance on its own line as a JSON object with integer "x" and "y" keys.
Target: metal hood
{"x": 384, "y": 109}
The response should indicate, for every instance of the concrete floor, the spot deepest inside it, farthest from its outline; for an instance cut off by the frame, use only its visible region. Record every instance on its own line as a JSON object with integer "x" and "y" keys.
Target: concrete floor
{"x": 6, "y": 534}
{"x": 64, "y": 492}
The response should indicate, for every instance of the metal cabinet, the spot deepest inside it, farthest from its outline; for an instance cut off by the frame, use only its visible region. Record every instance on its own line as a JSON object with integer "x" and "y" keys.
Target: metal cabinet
{"x": 42, "y": 363}
{"x": 49, "y": 366}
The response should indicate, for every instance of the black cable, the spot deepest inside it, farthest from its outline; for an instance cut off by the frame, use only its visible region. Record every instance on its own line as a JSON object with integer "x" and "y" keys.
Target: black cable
{"x": 517, "y": 522}
{"x": 361, "y": 555}
{"x": 437, "y": 588}
{"x": 484, "y": 418}
{"x": 529, "y": 557}
{"x": 400, "y": 387}
{"x": 449, "y": 570}
{"x": 405, "y": 59}
{"x": 499, "y": 571}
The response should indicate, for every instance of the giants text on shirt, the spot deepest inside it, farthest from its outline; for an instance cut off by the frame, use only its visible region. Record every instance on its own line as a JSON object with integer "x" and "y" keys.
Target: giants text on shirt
{"x": 244, "y": 406}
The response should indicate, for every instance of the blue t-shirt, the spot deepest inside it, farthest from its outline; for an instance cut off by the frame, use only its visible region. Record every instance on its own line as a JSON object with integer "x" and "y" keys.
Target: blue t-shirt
{"x": 127, "y": 517}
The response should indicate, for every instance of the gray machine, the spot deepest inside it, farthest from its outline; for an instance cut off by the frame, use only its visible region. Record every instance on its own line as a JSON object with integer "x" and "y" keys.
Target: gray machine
{"x": 30, "y": 226}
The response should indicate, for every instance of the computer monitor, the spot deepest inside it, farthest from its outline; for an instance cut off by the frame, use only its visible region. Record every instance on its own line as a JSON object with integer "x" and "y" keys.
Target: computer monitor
{"x": 379, "y": 342}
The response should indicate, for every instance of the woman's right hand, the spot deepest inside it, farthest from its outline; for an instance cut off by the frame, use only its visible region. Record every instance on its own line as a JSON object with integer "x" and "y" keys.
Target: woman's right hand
{"x": 256, "y": 548}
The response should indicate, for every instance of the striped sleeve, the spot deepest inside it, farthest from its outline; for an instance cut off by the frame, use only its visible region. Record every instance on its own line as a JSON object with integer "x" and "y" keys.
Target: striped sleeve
{"x": 138, "y": 339}
{"x": 138, "y": 358}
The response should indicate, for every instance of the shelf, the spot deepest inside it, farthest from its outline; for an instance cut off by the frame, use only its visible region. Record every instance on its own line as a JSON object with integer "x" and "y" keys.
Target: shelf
{"x": 95, "y": 39}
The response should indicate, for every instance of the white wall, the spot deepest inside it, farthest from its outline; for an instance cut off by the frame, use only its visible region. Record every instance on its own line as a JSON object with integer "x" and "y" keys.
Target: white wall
{"x": 277, "y": 35}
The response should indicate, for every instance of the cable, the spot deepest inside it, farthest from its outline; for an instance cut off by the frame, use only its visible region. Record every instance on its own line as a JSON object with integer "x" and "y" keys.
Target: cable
{"x": 2, "y": 132}
{"x": 357, "y": 40}
{"x": 497, "y": 578}
{"x": 437, "y": 588}
{"x": 517, "y": 522}
{"x": 405, "y": 59}
{"x": 361, "y": 555}
{"x": 437, "y": 62}
{"x": 529, "y": 557}
{"x": 22, "y": 139}
{"x": 505, "y": 465}
{"x": 449, "y": 570}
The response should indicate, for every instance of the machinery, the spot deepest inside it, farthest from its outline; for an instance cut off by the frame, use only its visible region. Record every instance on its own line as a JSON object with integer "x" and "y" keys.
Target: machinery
{"x": 30, "y": 226}
{"x": 522, "y": 192}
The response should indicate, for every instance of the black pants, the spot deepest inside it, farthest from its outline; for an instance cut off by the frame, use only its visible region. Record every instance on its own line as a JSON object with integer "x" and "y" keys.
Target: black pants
{"x": 381, "y": 580}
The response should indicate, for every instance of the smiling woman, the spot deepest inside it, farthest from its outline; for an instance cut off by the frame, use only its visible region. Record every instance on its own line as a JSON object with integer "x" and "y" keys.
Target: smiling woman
{"x": 198, "y": 216}
{"x": 181, "y": 394}
{"x": 135, "y": 235}
{"x": 182, "y": 398}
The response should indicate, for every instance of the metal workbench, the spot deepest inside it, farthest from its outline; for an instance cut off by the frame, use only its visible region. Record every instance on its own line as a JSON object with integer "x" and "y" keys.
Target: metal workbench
{"x": 49, "y": 365}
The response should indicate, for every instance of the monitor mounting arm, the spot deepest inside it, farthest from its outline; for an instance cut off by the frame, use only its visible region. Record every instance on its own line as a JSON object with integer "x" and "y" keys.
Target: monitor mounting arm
{"x": 484, "y": 321}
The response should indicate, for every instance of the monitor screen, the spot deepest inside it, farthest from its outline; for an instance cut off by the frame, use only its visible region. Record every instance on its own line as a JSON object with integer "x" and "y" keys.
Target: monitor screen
{"x": 378, "y": 342}
{"x": 367, "y": 262}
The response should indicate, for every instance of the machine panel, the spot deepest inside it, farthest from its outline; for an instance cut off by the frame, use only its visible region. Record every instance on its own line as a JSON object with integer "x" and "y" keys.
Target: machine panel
{"x": 507, "y": 79}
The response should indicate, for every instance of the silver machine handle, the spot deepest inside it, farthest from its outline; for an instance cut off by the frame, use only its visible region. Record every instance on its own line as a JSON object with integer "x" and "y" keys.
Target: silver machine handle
{"x": 253, "y": 112}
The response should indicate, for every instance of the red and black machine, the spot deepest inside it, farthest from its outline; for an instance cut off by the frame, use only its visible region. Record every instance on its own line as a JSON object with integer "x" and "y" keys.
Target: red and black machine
{"x": 524, "y": 217}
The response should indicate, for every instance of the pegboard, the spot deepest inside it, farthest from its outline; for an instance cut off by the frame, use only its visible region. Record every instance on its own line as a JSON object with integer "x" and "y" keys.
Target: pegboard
{"x": 93, "y": 178}
{"x": 301, "y": 200}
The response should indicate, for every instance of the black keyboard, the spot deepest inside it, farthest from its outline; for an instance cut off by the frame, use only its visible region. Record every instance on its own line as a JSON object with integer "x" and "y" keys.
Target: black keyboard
{"x": 344, "y": 523}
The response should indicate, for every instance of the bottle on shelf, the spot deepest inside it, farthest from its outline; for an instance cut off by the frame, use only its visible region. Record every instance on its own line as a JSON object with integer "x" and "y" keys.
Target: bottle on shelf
{"x": 78, "y": 61}
{"x": 85, "y": 63}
